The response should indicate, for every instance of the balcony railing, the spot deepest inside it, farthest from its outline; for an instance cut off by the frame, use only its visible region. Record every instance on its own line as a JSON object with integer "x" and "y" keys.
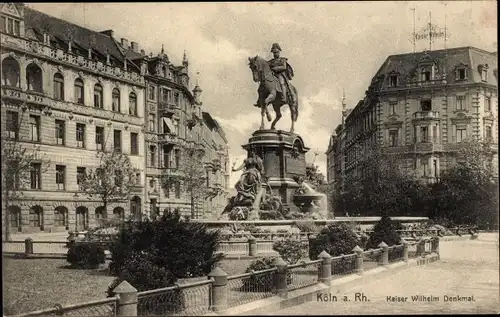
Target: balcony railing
{"x": 168, "y": 138}
{"x": 426, "y": 83}
{"x": 421, "y": 115}
{"x": 47, "y": 51}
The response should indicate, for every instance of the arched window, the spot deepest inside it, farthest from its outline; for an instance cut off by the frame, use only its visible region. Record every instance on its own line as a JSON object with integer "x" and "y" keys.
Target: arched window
{"x": 15, "y": 218}
{"x": 82, "y": 218}
{"x": 79, "y": 92}
{"x": 100, "y": 214}
{"x": 10, "y": 72}
{"x": 132, "y": 104}
{"x": 36, "y": 217}
{"x": 98, "y": 96}
{"x": 61, "y": 217}
{"x": 58, "y": 87}
{"x": 119, "y": 213}
{"x": 34, "y": 78}
{"x": 116, "y": 100}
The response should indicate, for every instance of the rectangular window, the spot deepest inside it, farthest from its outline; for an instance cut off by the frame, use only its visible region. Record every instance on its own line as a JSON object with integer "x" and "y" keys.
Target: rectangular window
{"x": 117, "y": 140}
{"x": 177, "y": 155}
{"x": 36, "y": 176}
{"x": 152, "y": 155}
{"x": 487, "y": 134}
{"x": 424, "y": 132}
{"x": 166, "y": 156}
{"x": 12, "y": 124}
{"x": 60, "y": 176}
{"x": 435, "y": 168}
{"x": 35, "y": 128}
{"x": 79, "y": 93}
{"x": 134, "y": 143}
{"x": 426, "y": 105}
{"x": 393, "y": 81}
{"x": 167, "y": 189}
{"x": 177, "y": 190}
{"x": 425, "y": 167}
{"x": 118, "y": 178}
{"x": 434, "y": 134}
{"x": 58, "y": 87}
{"x": 17, "y": 28}
{"x": 10, "y": 26}
{"x": 60, "y": 132}
{"x": 393, "y": 137}
{"x": 426, "y": 76}
{"x": 151, "y": 124}
{"x": 176, "y": 126}
{"x": 392, "y": 108}
{"x": 80, "y": 135}
{"x": 177, "y": 99}
{"x": 99, "y": 138}
{"x": 3, "y": 23}
{"x": 138, "y": 178}
{"x": 151, "y": 93}
{"x": 461, "y": 74}
{"x": 460, "y": 102}
{"x": 166, "y": 95}
{"x": 487, "y": 103}
{"x": 461, "y": 135}
{"x": 81, "y": 172}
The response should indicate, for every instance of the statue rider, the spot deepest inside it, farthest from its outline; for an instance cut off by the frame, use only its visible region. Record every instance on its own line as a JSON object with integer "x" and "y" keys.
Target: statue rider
{"x": 282, "y": 70}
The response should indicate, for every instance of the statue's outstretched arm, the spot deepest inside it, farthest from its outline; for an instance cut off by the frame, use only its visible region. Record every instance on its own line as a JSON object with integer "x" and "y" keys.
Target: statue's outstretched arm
{"x": 239, "y": 168}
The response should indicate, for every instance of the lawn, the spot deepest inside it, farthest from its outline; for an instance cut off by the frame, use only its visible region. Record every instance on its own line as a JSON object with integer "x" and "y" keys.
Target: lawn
{"x": 33, "y": 284}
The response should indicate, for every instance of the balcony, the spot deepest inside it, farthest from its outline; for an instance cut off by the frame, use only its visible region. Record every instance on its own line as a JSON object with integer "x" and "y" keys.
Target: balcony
{"x": 48, "y": 104}
{"x": 166, "y": 109}
{"x": 168, "y": 138}
{"x": 425, "y": 115}
{"x": 60, "y": 56}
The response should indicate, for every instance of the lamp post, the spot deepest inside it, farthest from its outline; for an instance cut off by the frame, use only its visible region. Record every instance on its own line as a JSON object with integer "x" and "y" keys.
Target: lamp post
{"x": 75, "y": 196}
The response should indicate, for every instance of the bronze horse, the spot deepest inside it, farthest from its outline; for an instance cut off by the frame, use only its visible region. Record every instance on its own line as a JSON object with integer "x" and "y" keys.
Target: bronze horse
{"x": 268, "y": 92}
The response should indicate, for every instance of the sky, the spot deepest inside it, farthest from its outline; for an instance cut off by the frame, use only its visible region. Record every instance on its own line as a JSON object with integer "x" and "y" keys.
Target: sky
{"x": 333, "y": 47}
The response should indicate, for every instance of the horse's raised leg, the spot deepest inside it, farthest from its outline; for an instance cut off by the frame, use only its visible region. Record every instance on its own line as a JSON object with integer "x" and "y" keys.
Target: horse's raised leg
{"x": 277, "y": 110}
{"x": 294, "y": 113}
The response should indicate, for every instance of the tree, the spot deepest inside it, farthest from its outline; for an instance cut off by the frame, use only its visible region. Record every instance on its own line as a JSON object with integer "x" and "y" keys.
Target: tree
{"x": 385, "y": 230}
{"x": 192, "y": 175}
{"x": 467, "y": 193}
{"x": 111, "y": 181}
{"x": 18, "y": 159}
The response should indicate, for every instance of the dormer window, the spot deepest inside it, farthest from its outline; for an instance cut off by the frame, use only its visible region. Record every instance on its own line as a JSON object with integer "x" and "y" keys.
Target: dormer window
{"x": 10, "y": 25}
{"x": 483, "y": 71}
{"x": 461, "y": 74}
{"x": 393, "y": 80}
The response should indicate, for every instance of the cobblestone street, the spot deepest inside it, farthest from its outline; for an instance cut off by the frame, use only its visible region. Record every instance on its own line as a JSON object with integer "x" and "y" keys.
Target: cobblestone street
{"x": 467, "y": 268}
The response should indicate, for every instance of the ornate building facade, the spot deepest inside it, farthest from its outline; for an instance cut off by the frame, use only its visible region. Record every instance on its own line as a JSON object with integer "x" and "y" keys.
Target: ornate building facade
{"x": 71, "y": 92}
{"x": 421, "y": 106}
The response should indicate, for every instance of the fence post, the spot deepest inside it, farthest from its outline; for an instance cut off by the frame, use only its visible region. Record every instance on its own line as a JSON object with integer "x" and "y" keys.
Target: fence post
{"x": 28, "y": 246}
{"x": 405, "y": 249}
{"x": 127, "y": 299}
{"x": 420, "y": 247}
{"x": 359, "y": 259}
{"x": 385, "y": 253}
{"x": 280, "y": 281}
{"x": 435, "y": 246}
{"x": 325, "y": 269}
{"x": 252, "y": 246}
{"x": 458, "y": 232}
{"x": 219, "y": 289}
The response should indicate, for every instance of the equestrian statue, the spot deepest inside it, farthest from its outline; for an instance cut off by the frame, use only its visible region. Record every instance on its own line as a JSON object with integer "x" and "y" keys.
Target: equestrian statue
{"x": 275, "y": 88}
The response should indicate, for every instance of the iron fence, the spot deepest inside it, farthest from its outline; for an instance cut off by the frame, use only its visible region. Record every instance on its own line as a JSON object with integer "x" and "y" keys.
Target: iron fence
{"x": 13, "y": 246}
{"x": 103, "y": 307}
{"x": 344, "y": 265}
{"x": 303, "y": 274}
{"x": 396, "y": 253}
{"x": 49, "y": 247}
{"x": 233, "y": 247}
{"x": 244, "y": 288}
{"x": 192, "y": 299}
{"x": 371, "y": 258}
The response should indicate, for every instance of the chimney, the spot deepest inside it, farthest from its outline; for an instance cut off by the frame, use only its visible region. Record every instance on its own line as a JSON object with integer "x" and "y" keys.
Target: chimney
{"x": 125, "y": 43}
{"x": 135, "y": 47}
{"x": 109, "y": 33}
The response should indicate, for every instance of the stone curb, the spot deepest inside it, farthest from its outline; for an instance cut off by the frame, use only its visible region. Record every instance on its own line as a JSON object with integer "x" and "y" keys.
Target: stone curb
{"x": 307, "y": 294}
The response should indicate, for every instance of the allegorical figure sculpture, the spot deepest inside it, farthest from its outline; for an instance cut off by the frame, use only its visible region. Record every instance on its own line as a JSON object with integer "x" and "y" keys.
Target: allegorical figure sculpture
{"x": 275, "y": 88}
{"x": 250, "y": 181}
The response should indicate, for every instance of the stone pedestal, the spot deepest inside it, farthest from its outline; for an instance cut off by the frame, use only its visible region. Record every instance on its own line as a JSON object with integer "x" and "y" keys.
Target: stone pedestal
{"x": 283, "y": 154}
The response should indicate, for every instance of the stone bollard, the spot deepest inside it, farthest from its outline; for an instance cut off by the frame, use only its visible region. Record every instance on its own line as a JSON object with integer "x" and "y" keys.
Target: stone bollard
{"x": 421, "y": 247}
{"x": 405, "y": 249}
{"x": 252, "y": 246}
{"x": 127, "y": 299}
{"x": 359, "y": 259}
{"x": 28, "y": 246}
{"x": 219, "y": 289}
{"x": 385, "y": 253}
{"x": 458, "y": 232}
{"x": 325, "y": 269}
{"x": 280, "y": 278}
{"x": 435, "y": 245}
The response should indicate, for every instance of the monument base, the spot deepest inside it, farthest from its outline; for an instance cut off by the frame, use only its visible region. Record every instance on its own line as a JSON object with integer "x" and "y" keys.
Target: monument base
{"x": 283, "y": 155}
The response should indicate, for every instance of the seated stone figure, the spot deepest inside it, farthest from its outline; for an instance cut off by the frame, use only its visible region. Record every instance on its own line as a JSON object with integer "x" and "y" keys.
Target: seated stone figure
{"x": 250, "y": 181}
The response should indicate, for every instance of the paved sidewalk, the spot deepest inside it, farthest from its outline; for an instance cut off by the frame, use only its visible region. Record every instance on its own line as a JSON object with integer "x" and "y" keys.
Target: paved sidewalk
{"x": 467, "y": 268}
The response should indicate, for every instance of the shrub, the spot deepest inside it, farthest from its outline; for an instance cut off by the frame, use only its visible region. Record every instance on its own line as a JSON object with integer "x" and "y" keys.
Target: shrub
{"x": 85, "y": 255}
{"x": 155, "y": 254}
{"x": 291, "y": 250}
{"x": 261, "y": 282}
{"x": 385, "y": 230}
{"x": 336, "y": 239}
{"x": 307, "y": 226}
